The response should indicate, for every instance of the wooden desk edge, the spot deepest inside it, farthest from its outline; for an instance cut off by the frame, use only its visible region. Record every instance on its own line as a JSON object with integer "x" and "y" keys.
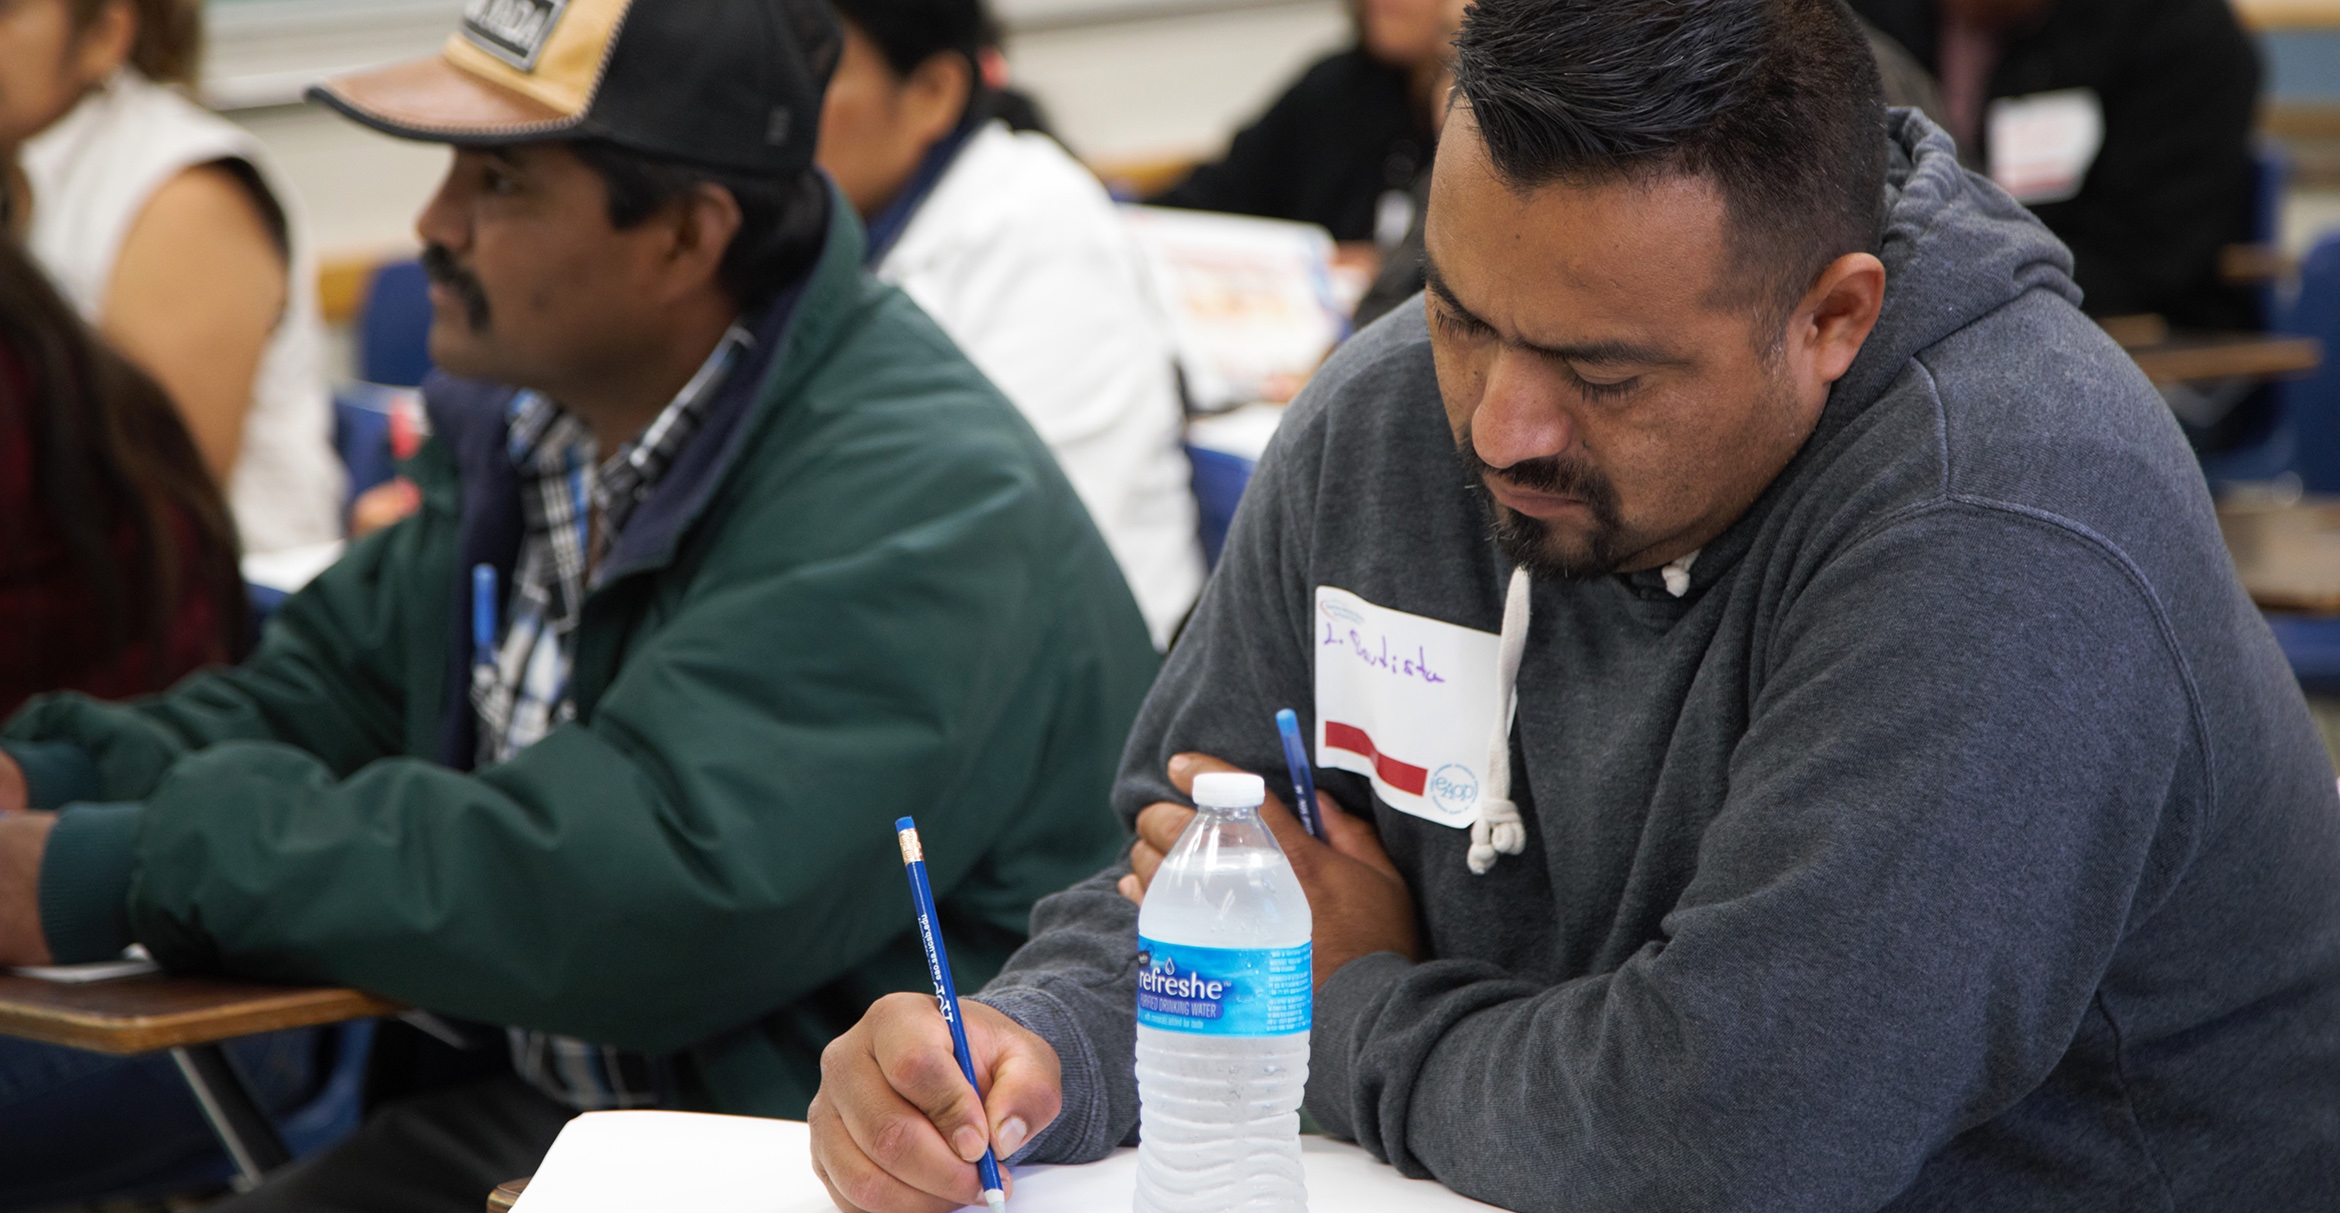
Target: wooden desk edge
{"x": 2272, "y": 356}
{"x": 124, "y": 1035}
{"x": 506, "y": 1195}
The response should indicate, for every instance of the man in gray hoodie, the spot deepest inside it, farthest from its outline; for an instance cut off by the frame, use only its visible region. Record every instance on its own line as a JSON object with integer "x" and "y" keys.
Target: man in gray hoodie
{"x": 1812, "y": 753}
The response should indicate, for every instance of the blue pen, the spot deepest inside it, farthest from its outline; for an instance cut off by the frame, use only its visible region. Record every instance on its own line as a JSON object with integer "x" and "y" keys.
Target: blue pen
{"x": 483, "y": 614}
{"x": 946, "y": 993}
{"x": 1303, "y": 777}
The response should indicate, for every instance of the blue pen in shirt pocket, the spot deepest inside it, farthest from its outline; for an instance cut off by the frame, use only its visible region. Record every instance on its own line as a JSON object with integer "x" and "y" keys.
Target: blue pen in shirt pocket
{"x": 483, "y": 620}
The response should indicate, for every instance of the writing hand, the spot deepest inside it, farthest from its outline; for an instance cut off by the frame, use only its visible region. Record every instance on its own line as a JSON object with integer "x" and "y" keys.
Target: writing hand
{"x": 24, "y": 837}
{"x": 1358, "y": 901}
{"x": 896, "y": 1128}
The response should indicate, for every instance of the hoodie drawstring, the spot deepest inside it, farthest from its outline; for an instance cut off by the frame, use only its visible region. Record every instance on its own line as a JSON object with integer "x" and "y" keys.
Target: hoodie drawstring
{"x": 1498, "y": 829}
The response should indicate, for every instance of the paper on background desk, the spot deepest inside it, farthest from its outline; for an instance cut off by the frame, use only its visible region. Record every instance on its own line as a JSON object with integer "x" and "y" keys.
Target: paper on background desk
{"x": 288, "y": 570}
{"x": 628, "y": 1162}
{"x": 132, "y": 962}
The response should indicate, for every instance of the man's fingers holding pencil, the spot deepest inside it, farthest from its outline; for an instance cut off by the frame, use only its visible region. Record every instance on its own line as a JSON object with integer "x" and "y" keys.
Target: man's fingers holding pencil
{"x": 895, "y": 1126}
{"x": 873, "y": 1143}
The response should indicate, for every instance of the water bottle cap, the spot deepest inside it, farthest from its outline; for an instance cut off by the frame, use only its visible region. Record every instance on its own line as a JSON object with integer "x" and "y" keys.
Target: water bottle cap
{"x": 1229, "y": 790}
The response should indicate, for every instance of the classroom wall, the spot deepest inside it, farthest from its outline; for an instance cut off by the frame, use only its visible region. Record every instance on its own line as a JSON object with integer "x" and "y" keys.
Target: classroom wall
{"x": 1123, "y": 79}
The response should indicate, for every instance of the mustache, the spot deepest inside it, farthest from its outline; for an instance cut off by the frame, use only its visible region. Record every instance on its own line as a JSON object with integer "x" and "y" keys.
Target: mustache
{"x": 440, "y": 267}
{"x": 1527, "y": 541}
{"x": 1549, "y": 474}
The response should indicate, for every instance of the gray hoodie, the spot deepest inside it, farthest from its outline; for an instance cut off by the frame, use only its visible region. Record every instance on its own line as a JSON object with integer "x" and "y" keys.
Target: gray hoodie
{"x": 1958, "y": 840}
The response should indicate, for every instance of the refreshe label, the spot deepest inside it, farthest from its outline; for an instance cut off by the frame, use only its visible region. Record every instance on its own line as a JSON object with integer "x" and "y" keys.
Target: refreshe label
{"x": 1223, "y": 991}
{"x": 1406, "y": 701}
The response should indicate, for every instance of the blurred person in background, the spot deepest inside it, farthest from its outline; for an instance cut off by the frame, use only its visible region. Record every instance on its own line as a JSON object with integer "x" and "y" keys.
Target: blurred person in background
{"x": 167, "y": 228}
{"x": 1342, "y": 147}
{"x": 1016, "y": 251}
{"x": 117, "y": 555}
{"x": 2173, "y": 85}
{"x": 117, "y": 577}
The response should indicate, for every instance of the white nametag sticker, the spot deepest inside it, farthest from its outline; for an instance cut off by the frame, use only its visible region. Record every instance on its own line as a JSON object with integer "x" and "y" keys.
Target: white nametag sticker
{"x": 1406, "y": 701}
{"x": 2042, "y": 145}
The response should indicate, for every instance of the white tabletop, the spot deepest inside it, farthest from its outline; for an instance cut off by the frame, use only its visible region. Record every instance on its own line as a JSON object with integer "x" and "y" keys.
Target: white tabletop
{"x": 606, "y": 1162}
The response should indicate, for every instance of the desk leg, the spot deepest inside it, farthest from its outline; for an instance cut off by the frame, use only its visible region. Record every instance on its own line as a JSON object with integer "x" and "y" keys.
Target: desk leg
{"x": 227, "y": 1103}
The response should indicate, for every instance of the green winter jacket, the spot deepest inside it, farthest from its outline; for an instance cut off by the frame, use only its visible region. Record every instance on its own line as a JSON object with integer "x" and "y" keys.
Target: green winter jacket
{"x": 879, "y": 597}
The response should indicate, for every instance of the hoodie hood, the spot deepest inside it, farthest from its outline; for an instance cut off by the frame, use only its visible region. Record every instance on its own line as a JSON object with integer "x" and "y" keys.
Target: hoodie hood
{"x": 1956, "y": 248}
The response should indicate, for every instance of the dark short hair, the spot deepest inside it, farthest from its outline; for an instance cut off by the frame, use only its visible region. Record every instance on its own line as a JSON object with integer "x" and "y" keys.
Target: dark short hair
{"x": 1774, "y": 101}
{"x": 782, "y": 223}
{"x": 909, "y": 32}
{"x": 117, "y": 477}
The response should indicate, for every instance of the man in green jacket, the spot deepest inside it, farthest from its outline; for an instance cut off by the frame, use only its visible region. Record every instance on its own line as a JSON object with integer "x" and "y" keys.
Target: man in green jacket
{"x": 740, "y": 562}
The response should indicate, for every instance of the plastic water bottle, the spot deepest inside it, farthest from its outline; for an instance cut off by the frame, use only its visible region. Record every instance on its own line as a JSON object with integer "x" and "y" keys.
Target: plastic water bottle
{"x": 1224, "y": 995}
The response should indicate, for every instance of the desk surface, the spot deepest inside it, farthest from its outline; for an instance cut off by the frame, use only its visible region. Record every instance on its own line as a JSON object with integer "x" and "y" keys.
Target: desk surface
{"x": 2287, "y": 555}
{"x": 2288, "y": 14}
{"x": 624, "y": 1162}
{"x": 157, "y": 1011}
{"x": 2193, "y": 358}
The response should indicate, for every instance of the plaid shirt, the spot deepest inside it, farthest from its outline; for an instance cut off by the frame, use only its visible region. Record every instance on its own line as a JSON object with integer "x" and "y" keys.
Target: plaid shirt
{"x": 523, "y": 693}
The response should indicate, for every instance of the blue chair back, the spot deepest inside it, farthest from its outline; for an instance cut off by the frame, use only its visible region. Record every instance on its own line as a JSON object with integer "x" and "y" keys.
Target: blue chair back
{"x": 330, "y": 1115}
{"x": 394, "y": 326}
{"x": 361, "y": 434}
{"x": 2303, "y": 434}
{"x": 1218, "y": 485}
{"x": 2271, "y": 173}
{"x": 335, "y": 1110}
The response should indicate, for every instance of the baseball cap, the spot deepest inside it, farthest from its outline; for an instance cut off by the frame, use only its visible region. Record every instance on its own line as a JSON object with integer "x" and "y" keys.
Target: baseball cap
{"x": 728, "y": 84}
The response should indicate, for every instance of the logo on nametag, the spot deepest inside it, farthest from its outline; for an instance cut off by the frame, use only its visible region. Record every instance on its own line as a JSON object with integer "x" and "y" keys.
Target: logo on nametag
{"x": 514, "y": 31}
{"x": 1454, "y": 787}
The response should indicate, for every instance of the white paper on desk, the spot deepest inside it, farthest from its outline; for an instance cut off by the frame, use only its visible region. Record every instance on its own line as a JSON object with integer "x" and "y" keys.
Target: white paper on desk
{"x": 133, "y": 962}
{"x": 628, "y": 1162}
{"x": 1249, "y": 301}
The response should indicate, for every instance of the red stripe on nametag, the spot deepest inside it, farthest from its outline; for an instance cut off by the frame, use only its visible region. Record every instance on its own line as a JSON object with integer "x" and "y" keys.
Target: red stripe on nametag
{"x": 1405, "y": 777}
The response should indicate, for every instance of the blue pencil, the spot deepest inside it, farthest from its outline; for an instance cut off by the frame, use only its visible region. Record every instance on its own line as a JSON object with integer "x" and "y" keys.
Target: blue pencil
{"x": 1303, "y": 776}
{"x": 946, "y": 992}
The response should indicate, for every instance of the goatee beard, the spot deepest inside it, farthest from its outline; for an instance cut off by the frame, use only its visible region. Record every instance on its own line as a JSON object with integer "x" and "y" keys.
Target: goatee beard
{"x": 1530, "y": 543}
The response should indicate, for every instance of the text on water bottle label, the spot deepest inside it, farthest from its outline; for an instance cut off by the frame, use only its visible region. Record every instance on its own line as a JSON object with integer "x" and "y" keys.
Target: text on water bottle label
{"x": 1223, "y": 991}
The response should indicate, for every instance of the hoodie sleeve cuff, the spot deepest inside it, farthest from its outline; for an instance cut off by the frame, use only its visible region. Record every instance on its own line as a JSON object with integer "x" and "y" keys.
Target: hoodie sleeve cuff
{"x": 55, "y": 772}
{"x": 1346, "y": 1004}
{"x": 1079, "y": 1132}
{"x": 85, "y": 882}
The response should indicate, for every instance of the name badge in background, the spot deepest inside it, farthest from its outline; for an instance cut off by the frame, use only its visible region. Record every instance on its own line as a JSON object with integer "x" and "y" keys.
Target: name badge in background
{"x": 2043, "y": 145}
{"x": 1408, "y": 702}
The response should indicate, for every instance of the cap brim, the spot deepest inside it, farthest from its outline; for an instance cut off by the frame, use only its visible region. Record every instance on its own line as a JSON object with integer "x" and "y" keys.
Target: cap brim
{"x": 433, "y": 100}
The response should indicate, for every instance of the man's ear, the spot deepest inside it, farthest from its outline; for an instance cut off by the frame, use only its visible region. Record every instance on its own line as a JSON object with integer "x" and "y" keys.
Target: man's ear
{"x": 706, "y": 220}
{"x": 935, "y": 94}
{"x": 1836, "y": 315}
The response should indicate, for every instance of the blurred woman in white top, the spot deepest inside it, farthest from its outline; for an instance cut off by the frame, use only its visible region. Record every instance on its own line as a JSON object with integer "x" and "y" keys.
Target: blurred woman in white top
{"x": 167, "y": 227}
{"x": 1017, "y": 252}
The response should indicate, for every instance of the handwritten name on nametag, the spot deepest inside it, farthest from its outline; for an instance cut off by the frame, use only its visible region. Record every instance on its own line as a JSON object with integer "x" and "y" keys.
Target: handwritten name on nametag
{"x": 1407, "y": 701}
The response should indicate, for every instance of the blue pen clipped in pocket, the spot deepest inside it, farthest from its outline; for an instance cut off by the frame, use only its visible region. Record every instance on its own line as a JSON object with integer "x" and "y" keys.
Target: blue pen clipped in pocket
{"x": 483, "y": 621}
